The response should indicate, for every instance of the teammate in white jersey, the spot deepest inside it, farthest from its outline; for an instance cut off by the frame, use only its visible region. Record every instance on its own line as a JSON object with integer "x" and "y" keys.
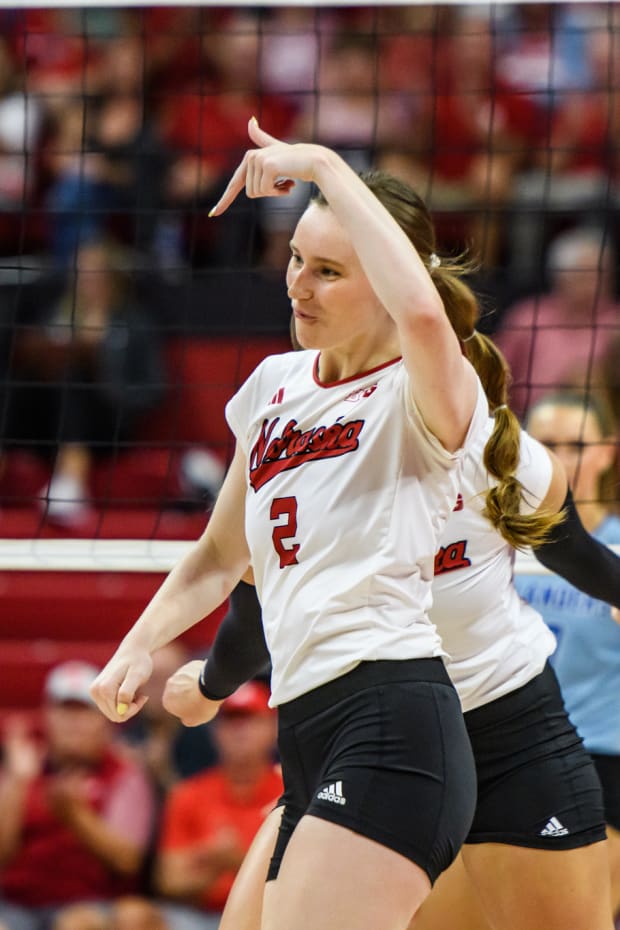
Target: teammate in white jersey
{"x": 370, "y": 426}
{"x": 534, "y": 856}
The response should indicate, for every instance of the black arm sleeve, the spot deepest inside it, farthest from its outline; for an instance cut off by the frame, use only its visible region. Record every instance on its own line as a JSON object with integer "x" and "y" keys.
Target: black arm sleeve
{"x": 579, "y": 558}
{"x": 239, "y": 651}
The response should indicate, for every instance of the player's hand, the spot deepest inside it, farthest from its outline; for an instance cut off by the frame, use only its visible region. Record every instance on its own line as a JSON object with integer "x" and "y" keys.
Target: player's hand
{"x": 183, "y": 698}
{"x": 615, "y": 614}
{"x": 271, "y": 169}
{"x": 116, "y": 688}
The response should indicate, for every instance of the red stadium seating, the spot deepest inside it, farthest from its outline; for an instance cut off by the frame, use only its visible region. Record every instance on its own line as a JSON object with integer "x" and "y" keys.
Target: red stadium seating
{"x": 50, "y": 616}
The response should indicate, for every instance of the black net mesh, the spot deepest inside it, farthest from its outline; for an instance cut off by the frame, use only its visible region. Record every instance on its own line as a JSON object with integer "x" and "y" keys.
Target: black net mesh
{"x": 128, "y": 317}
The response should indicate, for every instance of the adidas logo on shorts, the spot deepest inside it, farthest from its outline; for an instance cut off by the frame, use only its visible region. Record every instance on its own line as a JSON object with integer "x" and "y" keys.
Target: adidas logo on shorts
{"x": 332, "y": 793}
{"x": 554, "y": 828}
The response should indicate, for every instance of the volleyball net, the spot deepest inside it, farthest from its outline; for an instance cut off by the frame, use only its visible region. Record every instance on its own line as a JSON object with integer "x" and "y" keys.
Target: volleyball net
{"x": 127, "y": 317}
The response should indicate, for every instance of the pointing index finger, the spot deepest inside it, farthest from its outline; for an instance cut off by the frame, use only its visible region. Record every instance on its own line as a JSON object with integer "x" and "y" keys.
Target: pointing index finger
{"x": 259, "y": 136}
{"x": 233, "y": 188}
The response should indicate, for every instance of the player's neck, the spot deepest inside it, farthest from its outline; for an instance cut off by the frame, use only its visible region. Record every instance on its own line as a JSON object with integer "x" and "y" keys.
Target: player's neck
{"x": 340, "y": 363}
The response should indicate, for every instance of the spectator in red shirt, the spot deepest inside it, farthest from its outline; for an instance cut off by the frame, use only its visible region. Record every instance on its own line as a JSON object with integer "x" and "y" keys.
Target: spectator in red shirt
{"x": 211, "y": 818}
{"x": 75, "y": 814}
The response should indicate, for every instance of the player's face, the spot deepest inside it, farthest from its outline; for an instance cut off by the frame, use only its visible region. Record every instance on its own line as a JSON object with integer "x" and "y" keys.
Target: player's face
{"x": 575, "y": 437}
{"x": 331, "y": 297}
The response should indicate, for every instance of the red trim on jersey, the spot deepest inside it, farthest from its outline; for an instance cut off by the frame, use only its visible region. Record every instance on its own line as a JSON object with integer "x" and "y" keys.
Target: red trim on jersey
{"x": 362, "y": 374}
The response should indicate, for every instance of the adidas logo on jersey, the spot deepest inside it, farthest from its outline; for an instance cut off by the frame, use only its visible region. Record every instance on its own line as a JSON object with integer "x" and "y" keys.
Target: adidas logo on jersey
{"x": 332, "y": 793}
{"x": 278, "y": 397}
{"x": 554, "y": 828}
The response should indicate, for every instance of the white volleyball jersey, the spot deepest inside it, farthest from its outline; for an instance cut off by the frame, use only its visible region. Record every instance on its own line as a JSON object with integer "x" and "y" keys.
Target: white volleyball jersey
{"x": 348, "y": 493}
{"x": 495, "y": 641}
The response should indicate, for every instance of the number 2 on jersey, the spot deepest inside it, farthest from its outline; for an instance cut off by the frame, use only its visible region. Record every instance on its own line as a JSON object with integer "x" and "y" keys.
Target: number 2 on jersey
{"x": 285, "y": 506}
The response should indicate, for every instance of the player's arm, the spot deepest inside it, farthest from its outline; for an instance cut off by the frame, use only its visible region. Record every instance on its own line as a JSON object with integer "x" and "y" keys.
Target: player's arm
{"x": 239, "y": 651}
{"x": 443, "y": 383}
{"x": 581, "y": 559}
{"x": 572, "y": 552}
{"x": 198, "y": 584}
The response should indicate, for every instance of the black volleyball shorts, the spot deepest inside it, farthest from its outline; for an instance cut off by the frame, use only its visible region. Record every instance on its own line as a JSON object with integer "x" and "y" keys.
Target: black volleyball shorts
{"x": 608, "y": 768}
{"x": 382, "y": 751}
{"x": 537, "y": 785}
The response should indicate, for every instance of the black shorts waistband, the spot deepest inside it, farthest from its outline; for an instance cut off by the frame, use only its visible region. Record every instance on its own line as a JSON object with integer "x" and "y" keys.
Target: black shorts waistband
{"x": 515, "y": 702}
{"x": 365, "y": 675}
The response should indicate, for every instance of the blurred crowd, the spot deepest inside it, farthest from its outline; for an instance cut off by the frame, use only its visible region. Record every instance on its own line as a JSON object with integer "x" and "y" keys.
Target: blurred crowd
{"x": 119, "y": 128}
{"x": 141, "y": 827}
{"x": 130, "y": 120}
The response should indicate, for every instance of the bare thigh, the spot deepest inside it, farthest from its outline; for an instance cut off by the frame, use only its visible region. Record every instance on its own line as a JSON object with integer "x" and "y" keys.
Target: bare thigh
{"x": 244, "y": 904}
{"x": 499, "y": 887}
{"x": 526, "y": 889}
{"x": 333, "y": 878}
{"x": 613, "y": 843}
{"x": 454, "y": 902}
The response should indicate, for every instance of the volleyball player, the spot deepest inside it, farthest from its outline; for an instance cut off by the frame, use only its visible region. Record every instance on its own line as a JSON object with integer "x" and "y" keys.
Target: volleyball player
{"x": 380, "y": 781}
{"x": 535, "y": 855}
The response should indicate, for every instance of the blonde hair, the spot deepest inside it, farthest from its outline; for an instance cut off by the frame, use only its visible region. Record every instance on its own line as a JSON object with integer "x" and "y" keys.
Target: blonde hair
{"x": 502, "y": 451}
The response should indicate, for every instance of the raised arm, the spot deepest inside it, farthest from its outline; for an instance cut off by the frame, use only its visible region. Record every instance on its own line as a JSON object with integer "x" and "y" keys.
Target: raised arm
{"x": 200, "y": 582}
{"x": 443, "y": 383}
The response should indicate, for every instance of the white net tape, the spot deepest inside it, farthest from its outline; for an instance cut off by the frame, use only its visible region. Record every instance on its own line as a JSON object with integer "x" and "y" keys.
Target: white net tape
{"x": 131, "y": 555}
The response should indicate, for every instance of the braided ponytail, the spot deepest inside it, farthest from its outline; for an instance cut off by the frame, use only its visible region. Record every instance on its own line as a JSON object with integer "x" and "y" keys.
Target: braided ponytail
{"x": 502, "y": 451}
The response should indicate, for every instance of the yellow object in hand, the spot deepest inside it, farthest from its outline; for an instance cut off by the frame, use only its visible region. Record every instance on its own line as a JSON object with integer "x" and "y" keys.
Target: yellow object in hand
{"x": 122, "y": 709}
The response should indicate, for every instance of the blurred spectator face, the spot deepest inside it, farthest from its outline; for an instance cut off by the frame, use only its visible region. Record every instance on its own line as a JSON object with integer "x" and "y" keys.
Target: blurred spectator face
{"x": 576, "y": 437}
{"x": 137, "y": 914}
{"x": 76, "y": 730}
{"x": 603, "y": 48}
{"x": 350, "y": 67}
{"x": 95, "y": 278}
{"x": 472, "y": 50}
{"x": 124, "y": 62}
{"x": 290, "y": 46}
{"x": 246, "y": 728}
{"x": 81, "y": 917}
{"x": 581, "y": 274}
{"x": 234, "y": 50}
